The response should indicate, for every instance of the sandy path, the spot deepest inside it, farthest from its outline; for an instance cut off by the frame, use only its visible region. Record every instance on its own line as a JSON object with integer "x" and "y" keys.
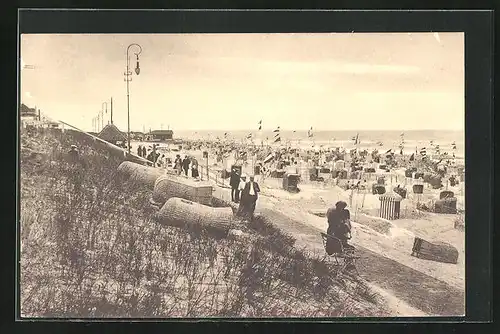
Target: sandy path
{"x": 413, "y": 290}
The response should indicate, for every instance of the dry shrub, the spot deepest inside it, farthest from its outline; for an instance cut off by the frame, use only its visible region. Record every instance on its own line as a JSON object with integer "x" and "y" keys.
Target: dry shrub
{"x": 93, "y": 250}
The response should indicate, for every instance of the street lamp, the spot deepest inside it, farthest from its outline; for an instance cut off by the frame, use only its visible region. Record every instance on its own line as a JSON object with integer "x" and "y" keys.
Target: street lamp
{"x": 128, "y": 78}
{"x": 105, "y": 103}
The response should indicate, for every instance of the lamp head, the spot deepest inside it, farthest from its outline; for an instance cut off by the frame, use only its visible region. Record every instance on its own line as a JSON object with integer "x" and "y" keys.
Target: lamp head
{"x": 137, "y": 68}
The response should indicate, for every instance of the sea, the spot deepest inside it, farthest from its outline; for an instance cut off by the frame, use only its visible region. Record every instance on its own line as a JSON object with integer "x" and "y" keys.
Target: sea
{"x": 383, "y": 140}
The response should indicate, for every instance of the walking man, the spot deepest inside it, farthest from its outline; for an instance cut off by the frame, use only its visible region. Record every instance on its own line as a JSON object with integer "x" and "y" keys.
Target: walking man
{"x": 249, "y": 197}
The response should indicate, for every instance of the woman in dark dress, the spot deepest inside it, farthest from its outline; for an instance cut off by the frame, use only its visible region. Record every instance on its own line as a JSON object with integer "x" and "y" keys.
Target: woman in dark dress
{"x": 339, "y": 223}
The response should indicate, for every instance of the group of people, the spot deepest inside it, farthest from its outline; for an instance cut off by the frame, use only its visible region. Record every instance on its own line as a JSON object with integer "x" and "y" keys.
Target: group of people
{"x": 244, "y": 192}
{"x": 141, "y": 151}
{"x": 183, "y": 165}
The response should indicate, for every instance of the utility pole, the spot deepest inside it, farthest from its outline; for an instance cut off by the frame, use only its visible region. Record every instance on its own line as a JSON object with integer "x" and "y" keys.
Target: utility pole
{"x": 111, "y": 110}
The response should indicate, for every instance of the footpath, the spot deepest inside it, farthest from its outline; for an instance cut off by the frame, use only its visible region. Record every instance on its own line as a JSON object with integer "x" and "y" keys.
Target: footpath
{"x": 411, "y": 291}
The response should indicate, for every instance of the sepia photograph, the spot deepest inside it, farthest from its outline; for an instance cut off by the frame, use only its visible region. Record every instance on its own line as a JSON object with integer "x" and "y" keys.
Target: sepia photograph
{"x": 242, "y": 175}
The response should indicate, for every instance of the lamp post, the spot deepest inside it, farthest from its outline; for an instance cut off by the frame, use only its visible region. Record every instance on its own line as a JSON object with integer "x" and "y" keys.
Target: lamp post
{"x": 101, "y": 113}
{"x": 128, "y": 78}
{"x": 106, "y": 104}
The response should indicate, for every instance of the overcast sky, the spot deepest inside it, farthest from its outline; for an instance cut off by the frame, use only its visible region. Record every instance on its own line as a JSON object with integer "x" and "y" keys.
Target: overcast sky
{"x": 231, "y": 81}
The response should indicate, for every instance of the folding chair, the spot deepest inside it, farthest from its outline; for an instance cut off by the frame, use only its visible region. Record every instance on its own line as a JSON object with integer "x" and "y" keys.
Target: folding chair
{"x": 347, "y": 255}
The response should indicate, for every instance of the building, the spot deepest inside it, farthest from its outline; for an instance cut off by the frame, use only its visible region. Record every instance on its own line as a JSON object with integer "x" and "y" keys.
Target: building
{"x": 160, "y": 135}
{"x": 26, "y": 111}
{"x": 53, "y": 125}
{"x": 112, "y": 134}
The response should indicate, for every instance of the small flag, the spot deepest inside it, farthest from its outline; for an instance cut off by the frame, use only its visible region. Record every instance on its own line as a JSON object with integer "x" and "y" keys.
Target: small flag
{"x": 277, "y": 139}
{"x": 249, "y": 136}
{"x": 277, "y": 129}
{"x": 380, "y": 143}
{"x": 388, "y": 151}
{"x": 260, "y": 122}
{"x": 453, "y": 146}
{"x": 310, "y": 132}
{"x": 356, "y": 139}
{"x": 276, "y": 135}
{"x": 412, "y": 157}
{"x": 423, "y": 151}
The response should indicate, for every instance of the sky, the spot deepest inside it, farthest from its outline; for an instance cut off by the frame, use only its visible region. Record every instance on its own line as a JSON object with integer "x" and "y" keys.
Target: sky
{"x": 328, "y": 81}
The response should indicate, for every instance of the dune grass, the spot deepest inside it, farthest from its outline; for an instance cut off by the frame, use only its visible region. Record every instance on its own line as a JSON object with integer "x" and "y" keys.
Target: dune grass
{"x": 90, "y": 248}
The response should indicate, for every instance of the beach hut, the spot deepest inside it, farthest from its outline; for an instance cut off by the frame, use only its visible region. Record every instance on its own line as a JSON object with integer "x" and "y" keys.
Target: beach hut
{"x": 446, "y": 205}
{"x": 378, "y": 189}
{"x": 170, "y": 186}
{"x": 381, "y": 180}
{"x": 446, "y": 194}
{"x": 434, "y": 251}
{"x": 418, "y": 188}
{"x": 390, "y": 206}
{"x": 139, "y": 173}
{"x": 339, "y": 165}
{"x": 400, "y": 191}
{"x": 290, "y": 182}
{"x": 180, "y": 212}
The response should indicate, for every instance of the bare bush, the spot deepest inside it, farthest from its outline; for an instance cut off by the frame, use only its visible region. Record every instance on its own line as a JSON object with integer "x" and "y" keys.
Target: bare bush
{"x": 90, "y": 248}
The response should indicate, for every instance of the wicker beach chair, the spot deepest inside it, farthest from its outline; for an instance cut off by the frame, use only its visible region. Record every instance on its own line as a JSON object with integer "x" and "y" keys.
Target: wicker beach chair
{"x": 343, "y": 257}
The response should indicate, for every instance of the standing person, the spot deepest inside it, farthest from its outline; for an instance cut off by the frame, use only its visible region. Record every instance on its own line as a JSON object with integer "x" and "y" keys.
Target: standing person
{"x": 253, "y": 194}
{"x": 249, "y": 197}
{"x": 194, "y": 168}
{"x": 185, "y": 164}
{"x": 144, "y": 151}
{"x": 139, "y": 150}
{"x": 234, "y": 182}
{"x": 178, "y": 164}
{"x": 242, "y": 209}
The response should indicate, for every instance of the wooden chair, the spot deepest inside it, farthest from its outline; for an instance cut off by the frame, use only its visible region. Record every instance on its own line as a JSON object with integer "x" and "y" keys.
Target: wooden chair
{"x": 343, "y": 257}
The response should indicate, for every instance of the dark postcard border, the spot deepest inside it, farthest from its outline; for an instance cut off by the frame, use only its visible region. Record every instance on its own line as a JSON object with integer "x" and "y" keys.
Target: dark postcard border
{"x": 478, "y": 56}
